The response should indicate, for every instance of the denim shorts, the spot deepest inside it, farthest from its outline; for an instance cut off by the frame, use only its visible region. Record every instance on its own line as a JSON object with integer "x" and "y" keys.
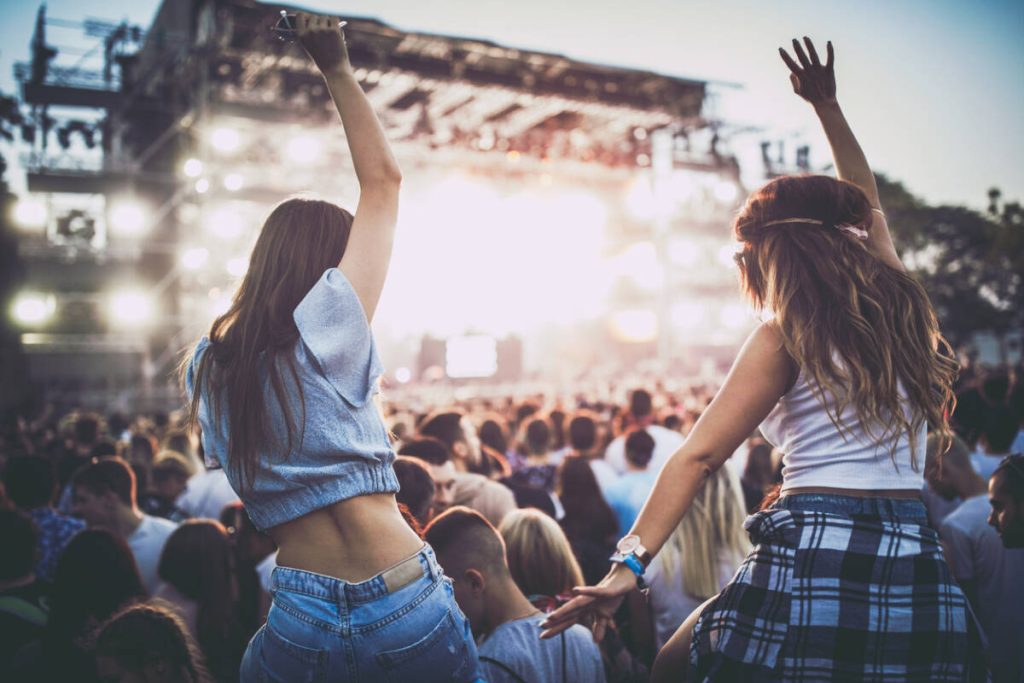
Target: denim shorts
{"x": 324, "y": 629}
{"x": 906, "y": 510}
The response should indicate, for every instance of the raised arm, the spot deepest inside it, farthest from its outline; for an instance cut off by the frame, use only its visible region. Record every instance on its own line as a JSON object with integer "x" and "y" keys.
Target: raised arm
{"x": 816, "y": 83}
{"x": 366, "y": 258}
{"x": 760, "y": 375}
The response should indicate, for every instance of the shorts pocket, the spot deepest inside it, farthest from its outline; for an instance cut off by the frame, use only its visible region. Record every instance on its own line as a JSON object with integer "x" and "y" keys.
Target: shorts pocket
{"x": 441, "y": 655}
{"x": 285, "y": 661}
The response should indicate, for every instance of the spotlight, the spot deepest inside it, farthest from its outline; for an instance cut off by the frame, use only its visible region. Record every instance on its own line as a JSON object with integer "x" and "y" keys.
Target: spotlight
{"x": 30, "y": 213}
{"x": 127, "y": 219}
{"x": 233, "y": 182}
{"x": 194, "y": 258}
{"x": 33, "y": 308}
{"x": 636, "y": 326}
{"x": 193, "y": 168}
{"x": 202, "y": 185}
{"x": 403, "y": 375}
{"x": 225, "y": 140}
{"x": 130, "y": 308}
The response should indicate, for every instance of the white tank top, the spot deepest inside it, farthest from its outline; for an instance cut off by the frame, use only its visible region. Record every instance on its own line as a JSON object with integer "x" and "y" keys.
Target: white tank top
{"x": 816, "y": 454}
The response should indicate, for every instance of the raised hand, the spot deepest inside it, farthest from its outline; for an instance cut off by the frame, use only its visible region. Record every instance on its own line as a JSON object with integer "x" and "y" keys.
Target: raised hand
{"x": 812, "y": 80}
{"x": 321, "y": 37}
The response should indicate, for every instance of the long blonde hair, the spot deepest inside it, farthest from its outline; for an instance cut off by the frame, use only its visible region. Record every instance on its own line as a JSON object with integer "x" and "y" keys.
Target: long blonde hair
{"x": 539, "y": 555}
{"x": 861, "y": 330}
{"x": 711, "y": 527}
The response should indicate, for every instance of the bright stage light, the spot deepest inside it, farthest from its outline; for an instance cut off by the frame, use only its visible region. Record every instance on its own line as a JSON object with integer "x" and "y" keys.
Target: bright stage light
{"x": 303, "y": 149}
{"x": 726, "y": 191}
{"x": 473, "y": 355}
{"x": 130, "y": 307}
{"x": 233, "y": 182}
{"x": 33, "y": 308}
{"x": 403, "y": 375}
{"x": 237, "y": 266}
{"x": 194, "y": 258}
{"x": 30, "y": 213}
{"x": 127, "y": 219}
{"x": 223, "y": 222}
{"x": 225, "y": 140}
{"x": 635, "y": 326}
{"x": 202, "y": 185}
{"x": 193, "y": 168}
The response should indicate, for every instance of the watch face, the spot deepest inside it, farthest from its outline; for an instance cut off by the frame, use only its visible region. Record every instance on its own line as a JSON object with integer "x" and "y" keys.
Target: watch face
{"x": 628, "y": 544}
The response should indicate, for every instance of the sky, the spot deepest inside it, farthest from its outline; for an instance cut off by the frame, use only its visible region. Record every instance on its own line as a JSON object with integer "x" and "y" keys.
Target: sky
{"x": 934, "y": 89}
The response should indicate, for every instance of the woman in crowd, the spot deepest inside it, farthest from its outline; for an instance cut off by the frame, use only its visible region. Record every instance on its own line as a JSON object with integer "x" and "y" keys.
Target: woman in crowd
{"x": 539, "y": 557}
{"x": 589, "y": 523}
{"x": 148, "y": 643}
{"x": 196, "y": 568}
{"x": 700, "y": 556}
{"x": 283, "y": 388}
{"x": 845, "y": 380}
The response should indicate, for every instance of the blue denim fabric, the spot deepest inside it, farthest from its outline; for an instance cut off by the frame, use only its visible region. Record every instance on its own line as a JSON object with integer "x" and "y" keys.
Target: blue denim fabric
{"x": 341, "y": 449}
{"x": 324, "y": 629}
{"x": 906, "y": 510}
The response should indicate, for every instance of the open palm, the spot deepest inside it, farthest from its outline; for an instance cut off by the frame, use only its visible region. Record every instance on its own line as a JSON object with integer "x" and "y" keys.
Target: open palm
{"x": 812, "y": 80}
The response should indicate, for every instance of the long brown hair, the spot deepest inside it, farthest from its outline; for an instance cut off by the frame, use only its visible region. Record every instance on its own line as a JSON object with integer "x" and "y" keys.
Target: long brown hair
{"x": 300, "y": 239}
{"x": 859, "y": 328}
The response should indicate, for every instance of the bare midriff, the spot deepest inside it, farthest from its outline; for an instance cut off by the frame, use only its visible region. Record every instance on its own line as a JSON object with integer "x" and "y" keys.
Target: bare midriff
{"x": 859, "y": 493}
{"x": 352, "y": 539}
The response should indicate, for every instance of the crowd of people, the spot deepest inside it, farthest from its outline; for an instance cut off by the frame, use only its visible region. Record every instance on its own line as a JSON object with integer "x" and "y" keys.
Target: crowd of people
{"x": 124, "y": 553}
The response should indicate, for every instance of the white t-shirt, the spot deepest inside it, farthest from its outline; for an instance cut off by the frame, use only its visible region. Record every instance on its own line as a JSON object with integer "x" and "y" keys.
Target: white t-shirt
{"x": 516, "y": 646}
{"x": 604, "y": 474}
{"x": 976, "y": 553}
{"x": 206, "y": 494}
{"x": 666, "y": 442}
{"x": 147, "y": 543}
{"x": 669, "y": 602}
{"x": 265, "y": 569}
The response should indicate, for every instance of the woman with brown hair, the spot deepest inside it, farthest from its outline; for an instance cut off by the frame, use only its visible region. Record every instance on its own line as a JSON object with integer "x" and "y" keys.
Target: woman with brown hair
{"x": 845, "y": 580}
{"x": 284, "y": 387}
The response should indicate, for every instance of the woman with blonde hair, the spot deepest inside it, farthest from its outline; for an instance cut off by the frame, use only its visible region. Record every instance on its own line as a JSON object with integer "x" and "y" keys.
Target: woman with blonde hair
{"x": 539, "y": 556}
{"x": 846, "y": 580}
{"x": 700, "y": 556}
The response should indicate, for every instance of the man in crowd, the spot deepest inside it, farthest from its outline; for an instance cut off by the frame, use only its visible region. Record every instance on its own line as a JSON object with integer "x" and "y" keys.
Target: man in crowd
{"x": 989, "y": 573}
{"x": 456, "y": 431}
{"x": 627, "y": 495}
{"x": 583, "y": 441}
{"x": 170, "y": 474}
{"x": 31, "y": 484}
{"x": 641, "y": 413}
{"x": 504, "y": 622}
{"x": 434, "y": 454}
{"x": 104, "y": 495}
{"x": 416, "y": 488}
{"x": 1006, "y": 498}
{"x": 998, "y": 433}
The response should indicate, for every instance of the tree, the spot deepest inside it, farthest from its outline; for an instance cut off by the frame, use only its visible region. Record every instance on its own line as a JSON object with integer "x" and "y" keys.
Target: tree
{"x": 971, "y": 263}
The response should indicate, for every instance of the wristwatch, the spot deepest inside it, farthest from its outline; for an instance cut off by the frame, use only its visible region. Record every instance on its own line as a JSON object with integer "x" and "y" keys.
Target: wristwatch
{"x": 630, "y": 552}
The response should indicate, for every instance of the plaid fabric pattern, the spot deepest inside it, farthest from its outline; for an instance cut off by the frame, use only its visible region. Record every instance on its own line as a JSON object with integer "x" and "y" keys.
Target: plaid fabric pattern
{"x": 833, "y": 597}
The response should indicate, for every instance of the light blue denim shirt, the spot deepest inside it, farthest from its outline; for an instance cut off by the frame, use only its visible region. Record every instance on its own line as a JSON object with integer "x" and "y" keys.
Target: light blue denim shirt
{"x": 341, "y": 449}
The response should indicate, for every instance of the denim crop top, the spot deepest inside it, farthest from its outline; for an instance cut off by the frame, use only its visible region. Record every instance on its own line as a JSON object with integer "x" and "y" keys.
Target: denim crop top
{"x": 341, "y": 450}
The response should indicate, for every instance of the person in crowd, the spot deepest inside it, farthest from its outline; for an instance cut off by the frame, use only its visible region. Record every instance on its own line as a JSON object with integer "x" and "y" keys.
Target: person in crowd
{"x": 949, "y": 484}
{"x": 641, "y": 416}
{"x": 104, "y": 496}
{"x": 23, "y": 600}
{"x": 86, "y": 432}
{"x": 844, "y": 378}
{"x": 416, "y": 488}
{"x": 494, "y": 433}
{"x": 31, "y": 484}
{"x": 627, "y": 494}
{"x": 96, "y": 576}
{"x": 504, "y": 621}
{"x": 583, "y": 441}
{"x": 981, "y": 392}
{"x": 196, "y": 570}
{"x": 757, "y": 476}
{"x": 998, "y": 432}
{"x": 700, "y": 556}
{"x": 181, "y": 441}
{"x": 472, "y": 488}
{"x": 150, "y": 643}
{"x": 435, "y": 455}
{"x": 283, "y": 388}
{"x": 989, "y": 574}
{"x": 206, "y": 493}
{"x": 169, "y": 479}
{"x": 1006, "y": 498}
{"x": 253, "y": 554}
{"x": 589, "y": 523}
{"x": 457, "y": 431}
{"x": 535, "y": 470}
{"x": 539, "y": 557}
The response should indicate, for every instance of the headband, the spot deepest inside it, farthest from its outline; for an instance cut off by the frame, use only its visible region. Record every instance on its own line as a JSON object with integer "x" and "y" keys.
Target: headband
{"x": 859, "y": 233}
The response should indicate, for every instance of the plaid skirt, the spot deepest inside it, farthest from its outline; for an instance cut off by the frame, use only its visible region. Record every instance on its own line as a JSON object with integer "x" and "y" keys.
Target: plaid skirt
{"x": 839, "y": 588}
